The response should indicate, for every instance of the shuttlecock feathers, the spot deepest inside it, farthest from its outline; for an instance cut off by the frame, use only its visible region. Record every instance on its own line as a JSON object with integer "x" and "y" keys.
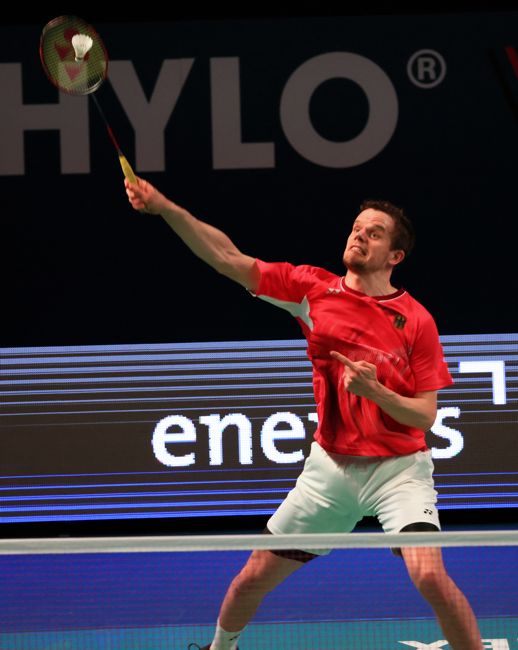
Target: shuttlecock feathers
{"x": 81, "y": 44}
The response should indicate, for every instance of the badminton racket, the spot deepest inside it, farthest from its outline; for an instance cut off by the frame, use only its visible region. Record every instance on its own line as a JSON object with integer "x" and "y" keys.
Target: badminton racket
{"x": 75, "y": 60}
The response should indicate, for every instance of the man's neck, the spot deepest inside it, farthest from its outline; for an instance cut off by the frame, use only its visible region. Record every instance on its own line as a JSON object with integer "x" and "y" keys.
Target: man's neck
{"x": 371, "y": 285}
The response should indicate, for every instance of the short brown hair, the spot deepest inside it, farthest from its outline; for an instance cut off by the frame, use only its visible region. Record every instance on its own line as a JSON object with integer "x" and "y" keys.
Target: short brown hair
{"x": 403, "y": 237}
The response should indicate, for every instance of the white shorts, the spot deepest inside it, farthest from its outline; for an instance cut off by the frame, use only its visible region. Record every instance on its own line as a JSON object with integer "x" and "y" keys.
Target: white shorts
{"x": 334, "y": 492}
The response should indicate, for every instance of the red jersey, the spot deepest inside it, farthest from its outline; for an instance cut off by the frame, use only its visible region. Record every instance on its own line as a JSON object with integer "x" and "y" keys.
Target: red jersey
{"x": 395, "y": 333}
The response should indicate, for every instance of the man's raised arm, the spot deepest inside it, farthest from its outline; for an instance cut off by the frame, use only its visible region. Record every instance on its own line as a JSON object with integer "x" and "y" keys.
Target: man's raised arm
{"x": 205, "y": 241}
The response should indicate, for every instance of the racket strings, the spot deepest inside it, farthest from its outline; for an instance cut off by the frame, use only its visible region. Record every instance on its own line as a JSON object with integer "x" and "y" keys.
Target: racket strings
{"x": 72, "y": 71}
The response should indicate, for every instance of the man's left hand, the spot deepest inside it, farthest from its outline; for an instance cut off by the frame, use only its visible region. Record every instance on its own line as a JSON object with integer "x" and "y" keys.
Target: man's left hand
{"x": 359, "y": 377}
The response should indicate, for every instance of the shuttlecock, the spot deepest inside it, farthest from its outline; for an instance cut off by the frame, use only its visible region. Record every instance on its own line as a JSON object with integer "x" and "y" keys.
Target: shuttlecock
{"x": 81, "y": 44}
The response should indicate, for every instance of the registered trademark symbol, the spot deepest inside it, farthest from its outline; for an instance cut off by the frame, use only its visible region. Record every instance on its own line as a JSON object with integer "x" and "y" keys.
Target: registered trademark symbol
{"x": 426, "y": 68}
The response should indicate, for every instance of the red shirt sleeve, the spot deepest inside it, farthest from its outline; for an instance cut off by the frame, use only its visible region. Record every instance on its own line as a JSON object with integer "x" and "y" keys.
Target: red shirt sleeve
{"x": 427, "y": 358}
{"x": 285, "y": 282}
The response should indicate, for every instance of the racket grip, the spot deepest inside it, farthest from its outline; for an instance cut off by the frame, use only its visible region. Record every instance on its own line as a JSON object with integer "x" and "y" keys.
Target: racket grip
{"x": 127, "y": 170}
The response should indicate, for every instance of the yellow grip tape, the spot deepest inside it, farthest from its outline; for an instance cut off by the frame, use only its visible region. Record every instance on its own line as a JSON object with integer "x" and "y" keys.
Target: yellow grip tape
{"x": 127, "y": 170}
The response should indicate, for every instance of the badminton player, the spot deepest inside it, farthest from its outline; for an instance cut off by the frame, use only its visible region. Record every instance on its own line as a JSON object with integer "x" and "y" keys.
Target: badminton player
{"x": 377, "y": 366}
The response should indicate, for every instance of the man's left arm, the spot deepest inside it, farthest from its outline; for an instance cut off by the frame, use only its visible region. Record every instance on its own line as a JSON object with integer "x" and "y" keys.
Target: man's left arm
{"x": 360, "y": 378}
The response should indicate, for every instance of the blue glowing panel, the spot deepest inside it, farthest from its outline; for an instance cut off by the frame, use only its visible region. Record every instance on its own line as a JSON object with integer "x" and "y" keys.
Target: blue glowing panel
{"x": 221, "y": 428}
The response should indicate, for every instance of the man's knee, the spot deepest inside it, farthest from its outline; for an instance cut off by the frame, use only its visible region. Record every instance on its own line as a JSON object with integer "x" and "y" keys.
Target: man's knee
{"x": 263, "y": 572}
{"x": 433, "y": 585}
{"x": 254, "y": 576}
{"x": 425, "y": 565}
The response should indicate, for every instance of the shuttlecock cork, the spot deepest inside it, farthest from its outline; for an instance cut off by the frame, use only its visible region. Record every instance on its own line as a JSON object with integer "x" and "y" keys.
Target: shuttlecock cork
{"x": 81, "y": 44}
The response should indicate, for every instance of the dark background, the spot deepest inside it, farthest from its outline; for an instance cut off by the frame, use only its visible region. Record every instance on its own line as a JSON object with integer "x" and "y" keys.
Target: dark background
{"x": 152, "y": 11}
{"x": 82, "y": 268}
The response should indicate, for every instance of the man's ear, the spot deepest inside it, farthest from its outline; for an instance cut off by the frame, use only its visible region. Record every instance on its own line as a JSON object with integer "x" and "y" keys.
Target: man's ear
{"x": 397, "y": 257}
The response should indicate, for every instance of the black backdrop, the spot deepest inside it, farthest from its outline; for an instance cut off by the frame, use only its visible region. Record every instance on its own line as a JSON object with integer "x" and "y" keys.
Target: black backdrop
{"x": 80, "y": 267}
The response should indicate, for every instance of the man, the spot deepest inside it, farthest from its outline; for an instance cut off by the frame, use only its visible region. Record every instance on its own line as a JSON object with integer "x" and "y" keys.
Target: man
{"x": 377, "y": 366}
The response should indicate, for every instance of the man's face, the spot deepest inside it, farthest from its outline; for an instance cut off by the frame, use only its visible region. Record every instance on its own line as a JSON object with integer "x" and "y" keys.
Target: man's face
{"x": 369, "y": 245}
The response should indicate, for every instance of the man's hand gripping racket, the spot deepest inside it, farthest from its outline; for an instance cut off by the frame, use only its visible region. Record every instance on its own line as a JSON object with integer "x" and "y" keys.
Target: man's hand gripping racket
{"x": 144, "y": 197}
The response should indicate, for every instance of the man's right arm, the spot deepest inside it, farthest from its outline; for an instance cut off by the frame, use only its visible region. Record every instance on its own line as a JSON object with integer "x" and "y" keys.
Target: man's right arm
{"x": 208, "y": 243}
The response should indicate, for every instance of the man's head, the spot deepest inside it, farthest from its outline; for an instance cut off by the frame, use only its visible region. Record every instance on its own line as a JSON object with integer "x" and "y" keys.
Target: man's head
{"x": 382, "y": 236}
{"x": 403, "y": 236}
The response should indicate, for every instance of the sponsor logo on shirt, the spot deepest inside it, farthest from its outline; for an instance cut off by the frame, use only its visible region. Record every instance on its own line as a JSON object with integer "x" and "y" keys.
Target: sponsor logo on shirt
{"x": 399, "y": 321}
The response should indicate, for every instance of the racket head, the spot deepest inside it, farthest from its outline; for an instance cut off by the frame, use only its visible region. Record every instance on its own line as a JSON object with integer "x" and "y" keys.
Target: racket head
{"x": 58, "y": 57}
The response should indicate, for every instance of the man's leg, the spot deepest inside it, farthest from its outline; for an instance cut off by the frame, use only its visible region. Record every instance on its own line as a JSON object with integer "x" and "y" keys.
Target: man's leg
{"x": 261, "y": 574}
{"x": 456, "y": 618}
{"x": 306, "y": 509}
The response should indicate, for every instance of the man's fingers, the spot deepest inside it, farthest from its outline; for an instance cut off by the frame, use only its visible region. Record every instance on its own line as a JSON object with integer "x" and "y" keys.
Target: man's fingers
{"x": 137, "y": 202}
{"x": 128, "y": 183}
{"x": 133, "y": 194}
{"x": 340, "y": 357}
